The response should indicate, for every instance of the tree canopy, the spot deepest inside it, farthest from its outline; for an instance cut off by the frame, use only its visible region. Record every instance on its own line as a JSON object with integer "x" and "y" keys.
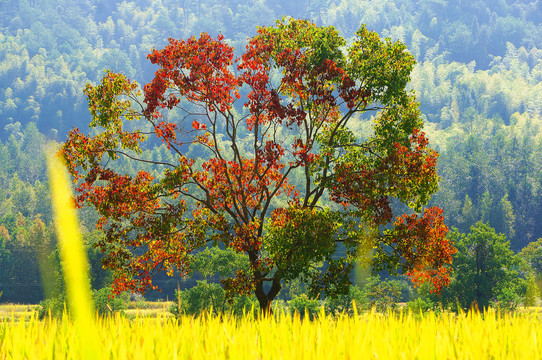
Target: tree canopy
{"x": 265, "y": 158}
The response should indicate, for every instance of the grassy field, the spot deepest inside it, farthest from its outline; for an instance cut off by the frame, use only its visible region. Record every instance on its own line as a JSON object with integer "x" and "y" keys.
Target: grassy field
{"x": 149, "y": 309}
{"x": 367, "y": 336}
{"x": 140, "y": 309}
{"x": 16, "y": 311}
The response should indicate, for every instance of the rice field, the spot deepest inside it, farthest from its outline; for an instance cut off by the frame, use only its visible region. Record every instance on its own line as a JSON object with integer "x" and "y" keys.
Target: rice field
{"x": 17, "y": 311}
{"x": 365, "y": 336}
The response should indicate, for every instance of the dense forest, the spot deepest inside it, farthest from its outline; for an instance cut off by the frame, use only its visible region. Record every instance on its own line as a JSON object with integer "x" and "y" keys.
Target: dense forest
{"x": 478, "y": 80}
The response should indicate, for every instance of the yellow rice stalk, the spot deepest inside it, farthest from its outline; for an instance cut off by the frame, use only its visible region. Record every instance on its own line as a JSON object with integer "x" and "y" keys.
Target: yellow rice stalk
{"x": 73, "y": 255}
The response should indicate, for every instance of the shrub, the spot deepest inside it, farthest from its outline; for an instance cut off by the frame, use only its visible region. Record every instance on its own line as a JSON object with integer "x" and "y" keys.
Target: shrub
{"x": 531, "y": 292}
{"x": 53, "y": 306}
{"x": 304, "y": 306}
{"x": 244, "y": 305}
{"x": 204, "y": 297}
{"x": 382, "y": 295}
{"x": 420, "y": 305}
{"x": 106, "y": 303}
{"x": 208, "y": 297}
{"x": 344, "y": 303}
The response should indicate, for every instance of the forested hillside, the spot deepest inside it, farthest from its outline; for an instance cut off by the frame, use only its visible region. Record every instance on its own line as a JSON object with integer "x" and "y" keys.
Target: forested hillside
{"x": 478, "y": 79}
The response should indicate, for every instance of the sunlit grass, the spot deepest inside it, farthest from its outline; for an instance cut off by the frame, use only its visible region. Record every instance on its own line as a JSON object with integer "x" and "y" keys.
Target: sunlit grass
{"x": 367, "y": 336}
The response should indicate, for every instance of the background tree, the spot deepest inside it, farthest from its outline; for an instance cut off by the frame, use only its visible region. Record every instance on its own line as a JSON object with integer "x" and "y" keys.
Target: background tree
{"x": 382, "y": 295}
{"x": 25, "y": 253}
{"x": 486, "y": 271}
{"x": 4, "y": 257}
{"x": 236, "y": 162}
{"x": 532, "y": 255}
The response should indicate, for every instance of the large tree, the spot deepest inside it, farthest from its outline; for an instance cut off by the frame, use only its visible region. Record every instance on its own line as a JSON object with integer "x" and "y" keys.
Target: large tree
{"x": 266, "y": 161}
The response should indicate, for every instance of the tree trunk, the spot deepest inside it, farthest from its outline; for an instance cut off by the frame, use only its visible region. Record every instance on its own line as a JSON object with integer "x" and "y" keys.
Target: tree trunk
{"x": 265, "y": 299}
{"x": 265, "y": 306}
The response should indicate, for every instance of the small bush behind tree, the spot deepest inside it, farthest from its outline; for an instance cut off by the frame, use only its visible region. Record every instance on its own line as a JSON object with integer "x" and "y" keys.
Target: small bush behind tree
{"x": 106, "y": 303}
{"x": 344, "y": 304}
{"x": 53, "y": 306}
{"x": 531, "y": 292}
{"x": 210, "y": 298}
{"x": 305, "y": 307}
{"x": 383, "y": 295}
{"x": 420, "y": 305}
